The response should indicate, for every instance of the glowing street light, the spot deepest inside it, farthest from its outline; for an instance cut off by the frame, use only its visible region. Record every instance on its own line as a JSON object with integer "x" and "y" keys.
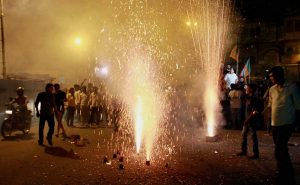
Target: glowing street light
{"x": 77, "y": 41}
{"x": 189, "y": 23}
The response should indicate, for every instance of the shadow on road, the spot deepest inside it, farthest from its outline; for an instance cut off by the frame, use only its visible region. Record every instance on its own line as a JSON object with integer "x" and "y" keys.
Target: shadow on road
{"x": 18, "y": 137}
{"x": 92, "y": 126}
{"x": 61, "y": 152}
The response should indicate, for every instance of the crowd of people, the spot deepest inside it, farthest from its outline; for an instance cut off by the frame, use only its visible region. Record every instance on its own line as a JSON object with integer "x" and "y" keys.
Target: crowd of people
{"x": 83, "y": 105}
{"x": 244, "y": 108}
{"x": 248, "y": 107}
{"x": 238, "y": 96}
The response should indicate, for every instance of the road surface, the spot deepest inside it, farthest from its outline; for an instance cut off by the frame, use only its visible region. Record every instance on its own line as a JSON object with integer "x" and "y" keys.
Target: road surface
{"x": 22, "y": 161}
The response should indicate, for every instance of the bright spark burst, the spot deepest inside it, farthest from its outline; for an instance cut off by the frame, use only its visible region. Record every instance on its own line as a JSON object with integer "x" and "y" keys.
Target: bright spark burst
{"x": 209, "y": 38}
{"x": 152, "y": 69}
{"x": 138, "y": 124}
{"x": 143, "y": 98}
{"x": 136, "y": 43}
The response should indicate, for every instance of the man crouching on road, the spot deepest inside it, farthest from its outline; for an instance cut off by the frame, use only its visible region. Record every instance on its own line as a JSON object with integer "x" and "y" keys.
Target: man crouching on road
{"x": 46, "y": 113}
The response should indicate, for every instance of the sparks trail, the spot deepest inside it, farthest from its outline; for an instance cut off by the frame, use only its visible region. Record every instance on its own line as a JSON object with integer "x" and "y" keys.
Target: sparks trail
{"x": 136, "y": 72}
{"x": 209, "y": 37}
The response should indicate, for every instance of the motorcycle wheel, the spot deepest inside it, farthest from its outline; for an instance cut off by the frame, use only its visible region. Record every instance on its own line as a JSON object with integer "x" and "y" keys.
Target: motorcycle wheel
{"x": 6, "y": 128}
{"x": 27, "y": 127}
{"x": 25, "y": 131}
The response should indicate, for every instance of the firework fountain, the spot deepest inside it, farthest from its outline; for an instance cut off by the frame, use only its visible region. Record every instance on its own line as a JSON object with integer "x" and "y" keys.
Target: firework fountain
{"x": 209, "y": 32}
{"x": 138, "y": 124}
{"x": 143, "y": 54}
{"x": 134, "y": 42}
{"x": 144, "y": 101}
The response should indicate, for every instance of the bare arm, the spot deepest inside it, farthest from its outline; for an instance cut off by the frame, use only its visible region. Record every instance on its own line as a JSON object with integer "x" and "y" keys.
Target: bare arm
{"x": 36, "y": 104}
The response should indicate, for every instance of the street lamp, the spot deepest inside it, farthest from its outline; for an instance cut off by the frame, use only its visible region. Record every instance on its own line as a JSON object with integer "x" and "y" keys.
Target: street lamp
{"x": 77, "y": 41}
{"x": 2, "y": 41}
{"x": 189, "y": 23}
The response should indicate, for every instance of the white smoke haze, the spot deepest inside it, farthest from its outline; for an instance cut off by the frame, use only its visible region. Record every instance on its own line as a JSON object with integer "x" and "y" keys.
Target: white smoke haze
{"x": 124, "y": 36}
{"x": 40, "y": 34}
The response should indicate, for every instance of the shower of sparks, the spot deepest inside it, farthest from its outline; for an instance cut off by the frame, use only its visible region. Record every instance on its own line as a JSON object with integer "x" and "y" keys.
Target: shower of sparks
{"x": 153, "y": 67}
{"x": 138, "y": 124}
{"x": 143, "y": 98}
{"x": 209, "y": 39}
{"x": 135, "y": 39}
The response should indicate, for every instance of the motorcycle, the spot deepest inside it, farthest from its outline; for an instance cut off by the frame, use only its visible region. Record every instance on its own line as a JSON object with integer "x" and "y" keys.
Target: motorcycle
{"x": 17, "y": 118}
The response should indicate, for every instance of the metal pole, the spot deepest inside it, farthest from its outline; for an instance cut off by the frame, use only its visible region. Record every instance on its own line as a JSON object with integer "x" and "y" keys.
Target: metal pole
{"x": 237, "y": 55}
{"x": 298, "y": 70}
{"x": 2, "y": 42}
{"x": 237, "y": 60}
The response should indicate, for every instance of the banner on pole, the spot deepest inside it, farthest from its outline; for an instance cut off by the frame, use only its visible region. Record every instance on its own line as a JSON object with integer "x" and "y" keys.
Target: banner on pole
{"x": 247, "y": 69}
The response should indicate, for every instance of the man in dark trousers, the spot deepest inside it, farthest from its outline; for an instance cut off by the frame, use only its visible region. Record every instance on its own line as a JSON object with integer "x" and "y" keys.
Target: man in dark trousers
{"x": 284, "y": 100}
{"x": 252, "y": 122}
{"x": 46, "y": 112}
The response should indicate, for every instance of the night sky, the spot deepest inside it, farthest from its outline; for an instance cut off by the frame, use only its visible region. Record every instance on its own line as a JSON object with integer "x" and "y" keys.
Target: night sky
{"x": 270, "y": 9}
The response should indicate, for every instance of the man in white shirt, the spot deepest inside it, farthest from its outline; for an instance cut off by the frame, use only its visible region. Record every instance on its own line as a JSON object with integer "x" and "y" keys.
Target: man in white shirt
{"x": 284, "y": 100}
{"x": 77, "y": 100}
{"x": 84, "y": 110}
{"x": 94, "y": 106}
{"x": 71, "y": 107}
{"x": 230, "y": 78}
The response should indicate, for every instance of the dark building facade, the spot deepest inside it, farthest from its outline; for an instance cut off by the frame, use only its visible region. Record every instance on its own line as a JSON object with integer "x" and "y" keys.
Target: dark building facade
{"x": 270, "y": 36}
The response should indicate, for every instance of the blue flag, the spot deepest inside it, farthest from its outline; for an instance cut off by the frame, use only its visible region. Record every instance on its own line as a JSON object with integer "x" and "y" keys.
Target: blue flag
{"x": 247, "y": 69}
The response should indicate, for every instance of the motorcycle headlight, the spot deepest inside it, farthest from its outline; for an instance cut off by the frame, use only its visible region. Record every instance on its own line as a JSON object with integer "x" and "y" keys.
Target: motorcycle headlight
{"x": 8, "y": 112}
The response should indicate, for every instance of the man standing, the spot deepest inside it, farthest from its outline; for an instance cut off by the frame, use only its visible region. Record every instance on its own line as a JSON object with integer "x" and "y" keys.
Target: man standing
{"x": 284, "y": 99}
{"x": 71, "y": 107}
{"x": 77, "y": 101}
{"x": 230, "y": 78}
{"x": 252, "y": 122}
{"x": 60, "y": 98}
{"x": 84, "y": 110}
{"x": 94, "y": 106}
{"x": 46, "y": 113}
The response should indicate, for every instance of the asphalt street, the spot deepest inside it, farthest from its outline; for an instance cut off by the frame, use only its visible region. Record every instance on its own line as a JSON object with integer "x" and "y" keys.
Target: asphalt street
{"x": 196, "y": 161}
